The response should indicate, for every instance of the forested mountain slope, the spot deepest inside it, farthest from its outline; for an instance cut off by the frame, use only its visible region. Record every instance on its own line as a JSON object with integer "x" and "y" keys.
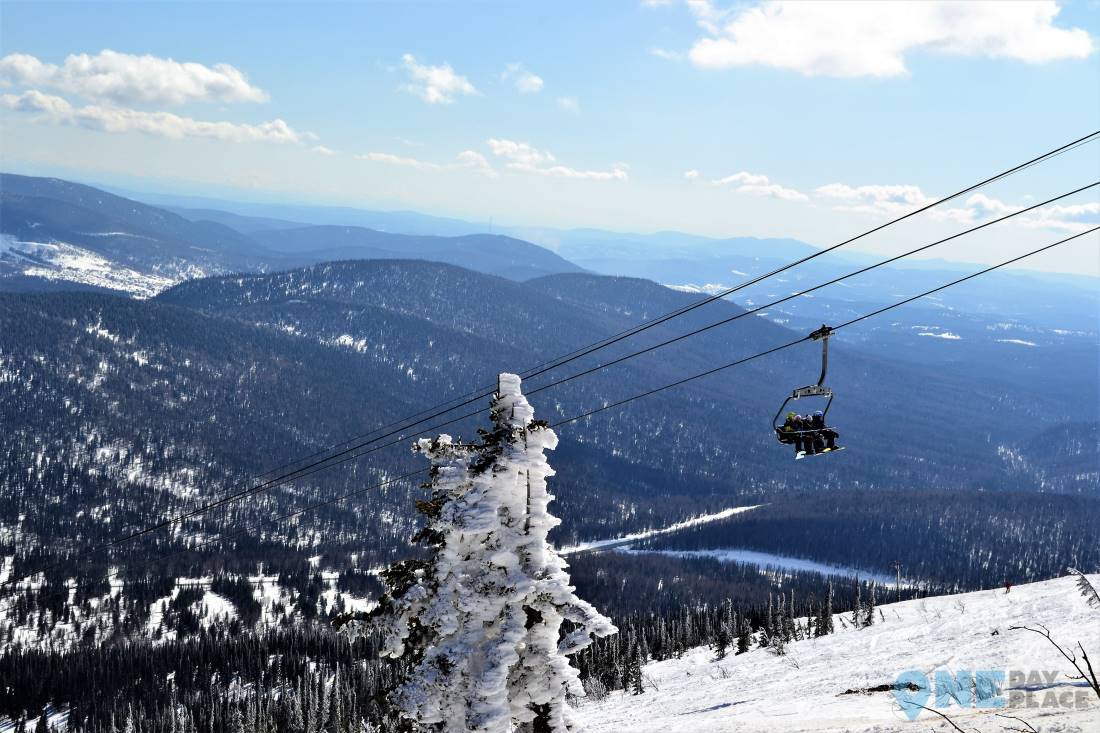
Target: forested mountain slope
{"x": 118, "y": 412}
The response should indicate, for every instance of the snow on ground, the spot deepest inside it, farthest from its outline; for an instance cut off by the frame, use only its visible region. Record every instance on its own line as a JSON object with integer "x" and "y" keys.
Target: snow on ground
{"x": 56, "y": 720}
{"x": 781, "y": 562}
{"x": 804, "y": 690}
{"x": 708, "y": 288}
{"x": 629, "y": 538}
{"x": 70, "y": 263}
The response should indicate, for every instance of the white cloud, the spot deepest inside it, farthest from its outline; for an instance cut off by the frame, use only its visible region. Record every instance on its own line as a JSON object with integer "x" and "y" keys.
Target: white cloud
{"x": 35, "y": 101}
{"x": 707, "y": 16}
{"x": 848, "y": 39}
{"x": 322, "y": 150}
{"x": 520, "y": 154}
{"x": 691, "y": 175}
{"x": 758, "y": 184}
{"x": 1063, "y": 217}
{"x": 470, "y": 159}
{"x": 525, "y": 81}
{"x": 523, "y": 157}
{"x": 162, "y": 124}
{"x": 476, "y": 161}
{"x": 896, "y": 200}
{"x": 123, "y": 78}
{"x": 569, "y": 104}
{"x": 435, "y": 84}
{"x": 391, "y": 159}
{"x": 664, "y": 53}
{"x": 875, "y": 199}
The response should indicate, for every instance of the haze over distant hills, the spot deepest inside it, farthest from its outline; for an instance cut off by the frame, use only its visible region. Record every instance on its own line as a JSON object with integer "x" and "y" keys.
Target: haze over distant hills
{"x": 57, "y": 235}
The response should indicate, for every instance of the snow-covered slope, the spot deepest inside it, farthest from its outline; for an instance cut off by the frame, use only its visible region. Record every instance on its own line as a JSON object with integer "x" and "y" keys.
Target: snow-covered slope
{"x": 805, "y": 690}
{"x": 58, "y": 261}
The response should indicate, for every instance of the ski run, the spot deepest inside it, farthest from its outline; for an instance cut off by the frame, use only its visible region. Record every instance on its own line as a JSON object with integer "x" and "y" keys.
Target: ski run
{"x": 808, "y": 688}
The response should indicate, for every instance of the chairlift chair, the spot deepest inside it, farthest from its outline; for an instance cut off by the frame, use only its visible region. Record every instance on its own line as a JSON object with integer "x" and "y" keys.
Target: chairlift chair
{"x": 787, "y": 437}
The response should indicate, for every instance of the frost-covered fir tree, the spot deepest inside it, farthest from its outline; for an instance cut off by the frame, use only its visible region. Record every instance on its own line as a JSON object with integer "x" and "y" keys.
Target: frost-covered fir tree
{"x": 480, "y": 621}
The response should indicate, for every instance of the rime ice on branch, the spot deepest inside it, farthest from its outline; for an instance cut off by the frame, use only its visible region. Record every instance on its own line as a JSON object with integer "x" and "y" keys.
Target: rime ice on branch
{"x": 481, "y": 620}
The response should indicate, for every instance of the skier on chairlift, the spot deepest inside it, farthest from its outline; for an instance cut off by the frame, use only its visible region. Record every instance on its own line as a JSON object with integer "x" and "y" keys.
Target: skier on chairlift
{"x": 824, "y": 437}
{"x": 794, "y": 428}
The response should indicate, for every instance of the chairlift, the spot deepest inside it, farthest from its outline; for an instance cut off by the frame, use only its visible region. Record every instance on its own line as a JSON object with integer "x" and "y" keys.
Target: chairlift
{"x": 789, "y": 437}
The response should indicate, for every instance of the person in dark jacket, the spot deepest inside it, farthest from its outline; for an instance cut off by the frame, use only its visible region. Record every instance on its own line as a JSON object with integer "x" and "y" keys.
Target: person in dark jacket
{"x": 824, "y": 437}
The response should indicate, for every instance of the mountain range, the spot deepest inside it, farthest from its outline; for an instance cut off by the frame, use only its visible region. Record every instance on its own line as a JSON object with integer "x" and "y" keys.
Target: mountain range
{"x": 247, "y": 348}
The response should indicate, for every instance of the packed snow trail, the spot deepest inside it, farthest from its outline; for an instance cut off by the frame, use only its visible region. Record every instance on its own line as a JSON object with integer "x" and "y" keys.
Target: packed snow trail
{"x": 768, "y": 560}
{"x": 627, "y": 539}
{"x": 759, "y": 692}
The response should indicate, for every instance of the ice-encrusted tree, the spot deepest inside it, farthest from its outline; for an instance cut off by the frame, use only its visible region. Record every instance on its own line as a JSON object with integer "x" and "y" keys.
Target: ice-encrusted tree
{"x": 487, "y": 620}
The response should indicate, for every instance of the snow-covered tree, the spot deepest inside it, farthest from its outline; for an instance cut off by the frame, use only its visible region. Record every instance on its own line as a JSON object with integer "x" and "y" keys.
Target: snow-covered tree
{"x": 480, "y": 620}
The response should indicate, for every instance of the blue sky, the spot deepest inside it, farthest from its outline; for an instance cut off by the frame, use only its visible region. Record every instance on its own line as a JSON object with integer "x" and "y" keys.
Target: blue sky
{"x": 813, "y": 121}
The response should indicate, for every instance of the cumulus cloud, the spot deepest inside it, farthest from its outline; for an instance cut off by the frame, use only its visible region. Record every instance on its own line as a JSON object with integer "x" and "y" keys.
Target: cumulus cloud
{"x": 875, "y": 199}
{"x": 322, "y": 150}
{"x": 35, "y": 101}
{"x": 569, "y": 104}
{"x": 162, "y": 124}
{"x": 1063, "y": 217}
{"x": 520, "y": 154}
{"x": 435, "y": 84}
{"x": 523, "y": 157}
{"x": 524, "y": 80}
{"x": 124, "y": 78}
{"x": 850, "y": 39}
{"x": 475, "y": 161}
{"x": 757, "y": 184}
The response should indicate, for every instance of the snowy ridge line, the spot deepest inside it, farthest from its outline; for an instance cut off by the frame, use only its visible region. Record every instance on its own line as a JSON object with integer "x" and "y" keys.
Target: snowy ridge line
{"x": 627, "y": 539}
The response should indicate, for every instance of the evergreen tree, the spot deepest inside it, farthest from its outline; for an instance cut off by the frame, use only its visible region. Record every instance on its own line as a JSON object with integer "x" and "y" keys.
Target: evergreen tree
{"x": 479, "y": 621}
{"x": 721, "y": 641}
{"x": 744, "y": 636}
{"x": 828, "y": 612}
{"x": 636, "y": 685}
{"x": 869, "y": 614}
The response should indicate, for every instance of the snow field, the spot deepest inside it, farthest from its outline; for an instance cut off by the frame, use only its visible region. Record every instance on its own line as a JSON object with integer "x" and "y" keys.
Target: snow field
{"x": 803, "y": 691}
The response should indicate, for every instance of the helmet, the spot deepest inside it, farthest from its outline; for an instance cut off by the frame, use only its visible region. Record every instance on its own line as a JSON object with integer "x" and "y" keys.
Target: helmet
{"x": 819, "y": 413}
{"x": 791, "y": 415}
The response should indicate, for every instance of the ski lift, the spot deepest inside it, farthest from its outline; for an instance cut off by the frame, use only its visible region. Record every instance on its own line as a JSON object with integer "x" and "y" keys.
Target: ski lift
{"x": 787, "y": 437}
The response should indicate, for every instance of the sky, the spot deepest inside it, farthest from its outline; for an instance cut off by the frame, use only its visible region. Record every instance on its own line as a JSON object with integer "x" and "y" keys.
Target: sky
{"x": 771, "y": 119}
